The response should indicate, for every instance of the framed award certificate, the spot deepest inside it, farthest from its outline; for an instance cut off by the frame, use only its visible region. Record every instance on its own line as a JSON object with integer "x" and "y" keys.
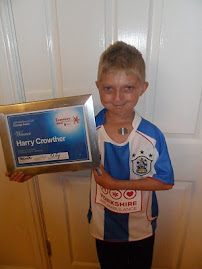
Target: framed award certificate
{"x": 49, "y": 136}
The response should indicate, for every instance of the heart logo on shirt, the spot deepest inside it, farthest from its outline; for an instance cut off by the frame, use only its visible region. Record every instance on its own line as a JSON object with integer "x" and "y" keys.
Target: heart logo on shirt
{"x": 129, "y": 194}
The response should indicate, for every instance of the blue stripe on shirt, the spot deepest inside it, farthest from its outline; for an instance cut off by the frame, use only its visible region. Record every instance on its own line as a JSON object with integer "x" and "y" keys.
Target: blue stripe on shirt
{"x": 116, "y": 163}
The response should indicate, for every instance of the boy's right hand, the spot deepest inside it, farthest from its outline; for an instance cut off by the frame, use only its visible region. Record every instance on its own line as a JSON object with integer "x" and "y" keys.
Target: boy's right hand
{"x": 19, "y": 177}
{"x": 104, "y": 179}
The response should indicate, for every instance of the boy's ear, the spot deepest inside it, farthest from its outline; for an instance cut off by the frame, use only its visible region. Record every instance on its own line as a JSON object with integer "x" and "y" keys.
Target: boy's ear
{"x": 97, "y": 84}
{"x": 144, "y": 88}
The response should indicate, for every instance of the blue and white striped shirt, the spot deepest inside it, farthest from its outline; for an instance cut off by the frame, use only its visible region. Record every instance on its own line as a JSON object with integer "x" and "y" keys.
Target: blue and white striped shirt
{"x": 129, "y": 215}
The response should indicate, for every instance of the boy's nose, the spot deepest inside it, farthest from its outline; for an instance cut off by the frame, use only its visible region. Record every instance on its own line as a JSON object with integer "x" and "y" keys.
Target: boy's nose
{"x": 118, "y": 96}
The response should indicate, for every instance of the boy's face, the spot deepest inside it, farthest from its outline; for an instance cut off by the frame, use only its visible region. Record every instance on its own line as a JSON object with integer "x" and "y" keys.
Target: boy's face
{"x": 119, "y": 92}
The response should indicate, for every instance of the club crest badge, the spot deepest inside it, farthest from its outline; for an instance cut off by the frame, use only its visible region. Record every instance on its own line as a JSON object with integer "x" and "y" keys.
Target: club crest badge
{"x": 141, "y": 165}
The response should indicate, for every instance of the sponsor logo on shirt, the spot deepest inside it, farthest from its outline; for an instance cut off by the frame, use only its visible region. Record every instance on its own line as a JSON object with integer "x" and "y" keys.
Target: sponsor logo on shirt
{"x": 119, "y": 201}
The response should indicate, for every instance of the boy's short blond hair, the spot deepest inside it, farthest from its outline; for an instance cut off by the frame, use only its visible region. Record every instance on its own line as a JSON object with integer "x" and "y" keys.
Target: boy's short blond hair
{"x": 121, "y": 56}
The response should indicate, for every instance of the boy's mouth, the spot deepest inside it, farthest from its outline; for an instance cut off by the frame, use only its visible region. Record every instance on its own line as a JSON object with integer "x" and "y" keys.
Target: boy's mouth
{"x": 119, "y": 104}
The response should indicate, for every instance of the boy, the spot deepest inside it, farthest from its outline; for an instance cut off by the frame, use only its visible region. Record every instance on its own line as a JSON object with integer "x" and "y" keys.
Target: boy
{"x": 135, "y": 163}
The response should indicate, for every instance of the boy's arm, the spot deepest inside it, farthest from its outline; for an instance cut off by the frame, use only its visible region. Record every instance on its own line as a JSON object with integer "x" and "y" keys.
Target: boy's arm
{"x": 143, "y": 184}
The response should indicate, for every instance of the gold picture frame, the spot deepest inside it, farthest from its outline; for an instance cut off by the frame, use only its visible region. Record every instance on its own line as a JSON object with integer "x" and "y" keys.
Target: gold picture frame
{"x": 52, "y": 135}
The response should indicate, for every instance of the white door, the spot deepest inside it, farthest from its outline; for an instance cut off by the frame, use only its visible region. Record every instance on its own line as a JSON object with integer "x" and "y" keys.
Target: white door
{"x": 58, "y": 56}
{"x": 176, "y": 107}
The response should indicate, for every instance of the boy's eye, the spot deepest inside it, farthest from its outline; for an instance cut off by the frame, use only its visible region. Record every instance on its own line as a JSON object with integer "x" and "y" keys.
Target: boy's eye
{"x": 129, "y": 88}
{"x": 107, "y": 88}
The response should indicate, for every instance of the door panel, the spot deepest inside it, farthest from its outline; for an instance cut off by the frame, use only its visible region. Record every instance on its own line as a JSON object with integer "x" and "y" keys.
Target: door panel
{"x": 174, "y": 208}
{"x": 178, "y": 87}
{"x": 65, "y": 204}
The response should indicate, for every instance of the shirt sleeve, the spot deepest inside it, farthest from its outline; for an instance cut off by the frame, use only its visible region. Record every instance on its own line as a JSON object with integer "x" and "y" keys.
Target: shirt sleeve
{"x": 163, "y": 167}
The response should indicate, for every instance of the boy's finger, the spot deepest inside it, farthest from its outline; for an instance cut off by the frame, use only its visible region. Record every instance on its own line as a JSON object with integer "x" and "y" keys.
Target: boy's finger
{"x": 12, "y": 176}
{"x": 16, "y": 176}
{"x": 98, "y": 170}
{"x": 27, "y": 177}
{"x": 20, "y": 177}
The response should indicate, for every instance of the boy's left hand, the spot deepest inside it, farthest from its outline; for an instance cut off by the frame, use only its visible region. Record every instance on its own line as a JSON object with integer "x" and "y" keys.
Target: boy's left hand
{"x": 104, "y": 180}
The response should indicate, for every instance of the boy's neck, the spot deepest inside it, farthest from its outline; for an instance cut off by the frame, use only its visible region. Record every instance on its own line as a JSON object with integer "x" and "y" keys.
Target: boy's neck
{"x": 119, "y": 127}
{"x": 110, "y": 117}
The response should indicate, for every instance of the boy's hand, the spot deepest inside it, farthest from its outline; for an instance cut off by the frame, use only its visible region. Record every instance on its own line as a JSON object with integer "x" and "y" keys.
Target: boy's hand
{"x": 104, "y": 179}
{"x": 19, "y": 177}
